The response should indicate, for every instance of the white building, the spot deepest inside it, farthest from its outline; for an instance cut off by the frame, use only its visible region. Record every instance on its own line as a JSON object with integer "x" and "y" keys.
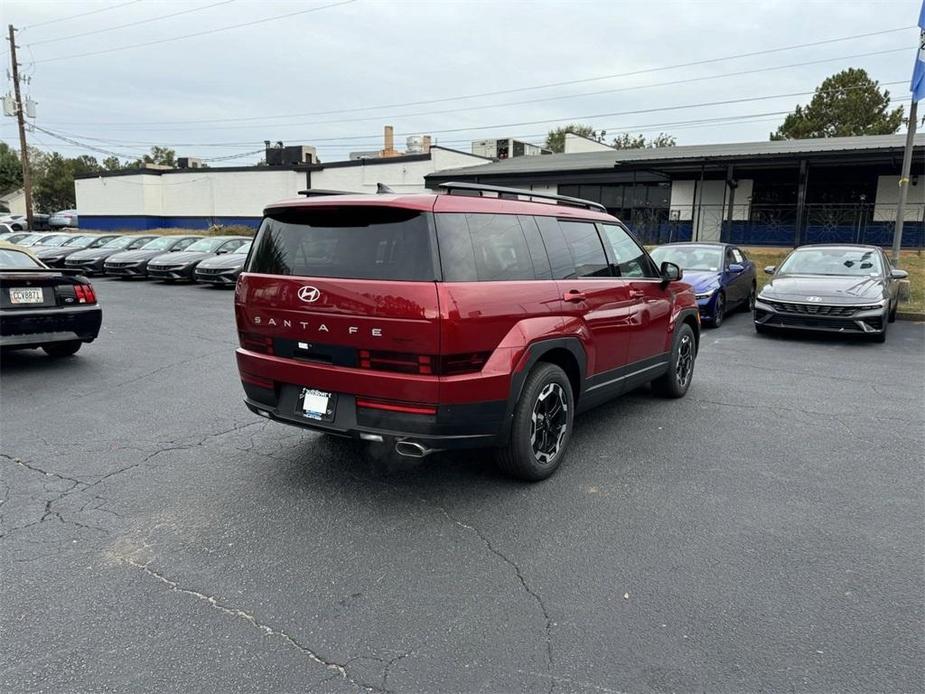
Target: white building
{"x": 197, "y": 198}
{"x": 14, "y": 201}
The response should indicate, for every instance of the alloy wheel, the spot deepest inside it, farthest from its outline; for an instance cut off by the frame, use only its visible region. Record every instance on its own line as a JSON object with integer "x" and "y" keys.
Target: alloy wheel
{"x": 549, "y": 422}
{"x": 719, "y": 310}
{"x": 685, "y": 363}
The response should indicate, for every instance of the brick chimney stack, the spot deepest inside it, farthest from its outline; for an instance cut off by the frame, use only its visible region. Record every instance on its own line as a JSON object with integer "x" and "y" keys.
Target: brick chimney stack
{"x": 388, "y": 149}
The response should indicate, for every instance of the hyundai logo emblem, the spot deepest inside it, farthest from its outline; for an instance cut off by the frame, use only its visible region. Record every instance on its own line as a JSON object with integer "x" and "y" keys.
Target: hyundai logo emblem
{"x": 309, "y": 294}
{"x": 814, "y": 299}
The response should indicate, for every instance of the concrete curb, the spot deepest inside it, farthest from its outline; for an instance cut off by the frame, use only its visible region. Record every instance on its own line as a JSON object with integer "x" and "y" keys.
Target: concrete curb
{"x": 901, "y": 315}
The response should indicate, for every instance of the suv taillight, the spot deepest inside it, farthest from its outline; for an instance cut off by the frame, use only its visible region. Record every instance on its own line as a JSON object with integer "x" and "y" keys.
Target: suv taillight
{"x": 256, "y": 343}
{"x": 84, "y": 294}
{"x": 424, "y": 364}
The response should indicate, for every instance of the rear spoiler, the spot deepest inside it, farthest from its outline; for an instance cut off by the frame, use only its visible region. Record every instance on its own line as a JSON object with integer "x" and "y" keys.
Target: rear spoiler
{"x": 73, "y": 272}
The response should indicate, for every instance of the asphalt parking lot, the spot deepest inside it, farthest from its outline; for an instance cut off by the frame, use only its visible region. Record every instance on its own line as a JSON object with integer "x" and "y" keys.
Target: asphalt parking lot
{"x": 764, "y": 533}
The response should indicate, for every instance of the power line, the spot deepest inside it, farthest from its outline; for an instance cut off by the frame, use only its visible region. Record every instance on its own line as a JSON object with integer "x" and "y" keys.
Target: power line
{"x": 719, "y": 120}
{"x": 198, "y": 33}
{"x": 554, "y": 98}
{"x": 519, "y": 89}
{"x": 673, "y": 107}
{"x": 505, "y": 91}
{"x": 130, "y": 24}
{"x": 82, "y": 14}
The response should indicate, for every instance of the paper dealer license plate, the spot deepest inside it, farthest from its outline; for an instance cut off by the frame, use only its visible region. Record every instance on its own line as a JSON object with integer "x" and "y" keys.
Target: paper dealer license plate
{"x": 317, "y": 404}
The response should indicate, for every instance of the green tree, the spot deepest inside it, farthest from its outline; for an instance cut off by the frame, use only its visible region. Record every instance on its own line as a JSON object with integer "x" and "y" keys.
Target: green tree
{"x": 112, "y": 163}
{"x": 163, "y": 156}
{"x": 627, "y": 141}
{"x": 847, "y": 103}
{"x": 10, "y": 168}
{"x": 53, "y": 188}
{"x": 555, "y": 139}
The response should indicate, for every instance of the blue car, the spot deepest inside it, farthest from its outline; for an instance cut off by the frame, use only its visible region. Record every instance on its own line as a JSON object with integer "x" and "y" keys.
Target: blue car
{"x": 722, "y": 276}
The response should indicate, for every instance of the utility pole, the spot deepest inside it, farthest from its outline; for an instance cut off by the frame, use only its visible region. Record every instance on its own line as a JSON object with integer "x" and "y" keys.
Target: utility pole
{"x": 904, "y": 183}
{"x": 21, "y": 118}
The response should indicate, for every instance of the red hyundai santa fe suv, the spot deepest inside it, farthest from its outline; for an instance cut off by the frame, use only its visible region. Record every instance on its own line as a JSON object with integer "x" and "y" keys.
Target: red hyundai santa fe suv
{"x": 466, "y": 319}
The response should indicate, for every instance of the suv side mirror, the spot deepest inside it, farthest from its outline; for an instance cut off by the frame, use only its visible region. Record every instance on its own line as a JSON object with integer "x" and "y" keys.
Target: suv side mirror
{"x": 736, "y": 268}
{"x": 898, "y": 274}
{"x": 670, "y": 272}
{"x": 769, "y": 269}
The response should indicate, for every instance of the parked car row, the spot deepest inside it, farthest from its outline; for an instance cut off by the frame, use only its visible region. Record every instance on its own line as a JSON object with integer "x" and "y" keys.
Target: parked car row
{"x": 847, "y": 289}
{"x": 169, "y": 258}
{"x": 40, "y": 222}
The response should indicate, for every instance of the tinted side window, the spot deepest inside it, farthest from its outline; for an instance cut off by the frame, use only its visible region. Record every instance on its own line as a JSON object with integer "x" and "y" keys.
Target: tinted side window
{"x": 585, "y": 246}
{"x": 560, "y": 258}
{"x": 537, "y": 249}
{"x": 629, "y": 260}
{"x": 483, "y": 248}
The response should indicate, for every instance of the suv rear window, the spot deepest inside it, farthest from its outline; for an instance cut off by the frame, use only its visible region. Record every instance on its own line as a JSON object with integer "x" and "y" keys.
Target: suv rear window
{"x": 381, "y": 243}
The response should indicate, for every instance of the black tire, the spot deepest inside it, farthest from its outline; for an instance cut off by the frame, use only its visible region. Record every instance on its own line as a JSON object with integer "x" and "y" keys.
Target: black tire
{"x": 524, "y": 456}
{"x": 677, "y": 380}
{"x": 62, "y": 349}
{"x": 719, "y": 311}
{"x": 892, "y": 317}
{"x": 750, "y": 301}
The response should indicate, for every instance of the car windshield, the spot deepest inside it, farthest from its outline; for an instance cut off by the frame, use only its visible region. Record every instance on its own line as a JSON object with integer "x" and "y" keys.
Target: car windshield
{"x": 53, "y": 240}
{"x": 833, "y": 261}
{"x": 206, "y": 245}
{"x": 119, "y": 242}
{"x": 79, "y": 241}
{"x": 709, "y": 258}
{"x": 160, "y": 244}
{"x": 10, "y": 258}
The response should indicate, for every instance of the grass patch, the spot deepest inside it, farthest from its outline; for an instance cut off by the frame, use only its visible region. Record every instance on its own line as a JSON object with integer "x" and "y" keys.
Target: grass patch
{"x": 912, "y": 262}
{"x": 231, "y": 230}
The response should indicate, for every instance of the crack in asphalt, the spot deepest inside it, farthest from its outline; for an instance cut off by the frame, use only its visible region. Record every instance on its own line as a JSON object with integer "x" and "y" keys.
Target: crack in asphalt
{"x": 80, "y": 486}
{"x": 339, "y": 668}
{"x": 489, "y": 545}
{"x": 523, "y": 582}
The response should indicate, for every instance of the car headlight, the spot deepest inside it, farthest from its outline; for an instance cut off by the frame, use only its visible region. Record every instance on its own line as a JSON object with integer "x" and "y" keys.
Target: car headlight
{"x": 706, "y": 294}
{"x": 871, "y": 307}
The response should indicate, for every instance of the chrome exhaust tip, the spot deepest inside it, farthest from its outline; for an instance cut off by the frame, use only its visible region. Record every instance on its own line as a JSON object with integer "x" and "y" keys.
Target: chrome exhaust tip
{"x": 412, "y": 449}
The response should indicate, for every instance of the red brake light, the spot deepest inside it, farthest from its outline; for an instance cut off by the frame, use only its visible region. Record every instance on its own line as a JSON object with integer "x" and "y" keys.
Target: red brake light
{"x": 424, "y": 364}
{"x": 91, "y": 295}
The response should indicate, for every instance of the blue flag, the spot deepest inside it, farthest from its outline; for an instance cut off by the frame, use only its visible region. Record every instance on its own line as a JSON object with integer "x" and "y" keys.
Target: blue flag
{"x": 918, "y": 73}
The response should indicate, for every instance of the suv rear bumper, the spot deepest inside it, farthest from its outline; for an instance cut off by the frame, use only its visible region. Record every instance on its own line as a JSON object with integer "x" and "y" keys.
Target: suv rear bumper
{"x": 387, "y": 410}
{"x": 389, "y": 429}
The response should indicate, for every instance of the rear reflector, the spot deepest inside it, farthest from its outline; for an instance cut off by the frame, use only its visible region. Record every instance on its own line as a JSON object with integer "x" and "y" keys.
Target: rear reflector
{"x": 397, "y": 407}
{"x": 258, "y": 381}
{"x": 256, "y": 343}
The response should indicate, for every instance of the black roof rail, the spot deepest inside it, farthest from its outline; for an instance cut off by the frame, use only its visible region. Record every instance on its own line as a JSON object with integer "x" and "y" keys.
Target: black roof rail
{"x": 318, "y": 192}
{"x": 515, "y": 193}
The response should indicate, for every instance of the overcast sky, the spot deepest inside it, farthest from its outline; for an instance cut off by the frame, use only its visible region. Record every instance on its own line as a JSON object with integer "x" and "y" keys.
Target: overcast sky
{"x": 334, "y": 76}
